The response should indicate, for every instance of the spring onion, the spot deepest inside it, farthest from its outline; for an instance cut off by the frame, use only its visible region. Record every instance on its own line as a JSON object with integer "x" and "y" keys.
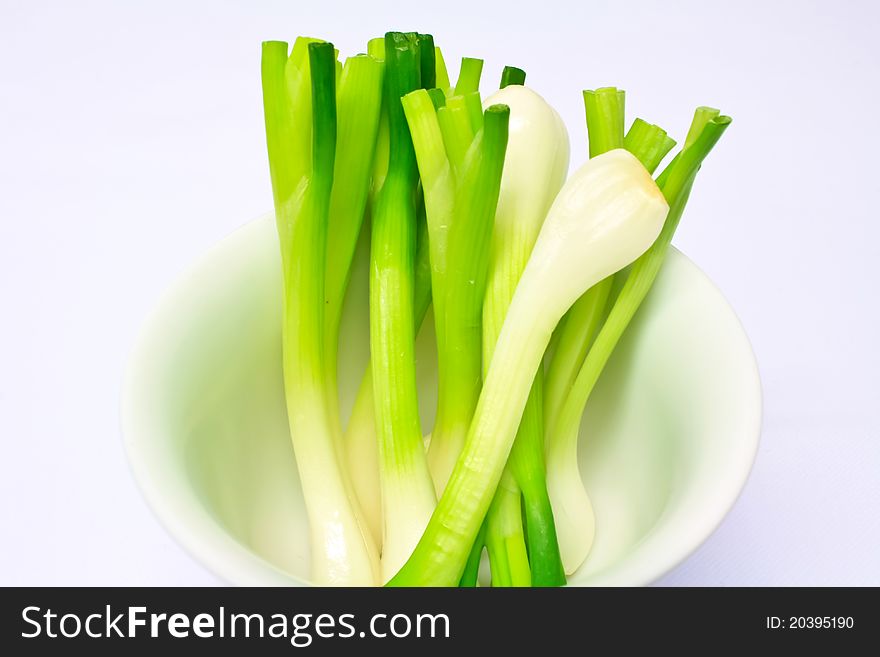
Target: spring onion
{"x": 466, "y": 206}
{"x": 358, "y": 110}
{"x": 571, "y": 505}
{"x": 407, "y": 490}
{"x": 299, "y": 95}
{"x": 534, "y": 171}
{"x": 460, "y": 154}
{"x": 604, "y": 110}
{"x": 607, "y": 214}
{"x": 360, "y": 441}
{"x": 605, "y": 127}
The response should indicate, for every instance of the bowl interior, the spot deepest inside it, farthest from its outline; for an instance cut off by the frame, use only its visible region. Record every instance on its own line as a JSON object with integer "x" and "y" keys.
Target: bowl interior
{"x": 667, "y": 439}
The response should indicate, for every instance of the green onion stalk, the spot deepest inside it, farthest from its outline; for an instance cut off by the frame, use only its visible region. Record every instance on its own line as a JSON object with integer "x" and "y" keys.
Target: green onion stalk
{"x": 407, "y": 490}
{"x": 299, "y": 93}
{"x": 518, "y": 555}
{"x": 605, "y": 128}
{"x": 607, "y": 214}
{"x": 605, "y": 113}
{"x": 360, "y": 440}
{"x": 571, "y": 505}
{"x": 460, "y": 154}
{"x": 650, "y": 143}
{"x": 359, "y": 101}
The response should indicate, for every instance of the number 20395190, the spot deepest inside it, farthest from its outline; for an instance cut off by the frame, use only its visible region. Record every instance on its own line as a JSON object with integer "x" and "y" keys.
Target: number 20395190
{"x": 809, "y": 623}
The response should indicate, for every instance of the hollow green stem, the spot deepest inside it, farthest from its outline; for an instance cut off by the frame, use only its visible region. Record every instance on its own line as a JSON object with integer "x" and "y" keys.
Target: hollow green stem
{"x": 441, "y": 554}
{"x": 457, "y": 127}
{"x": 460, "y": 355}
{"x": 564, "y": 483}
{"x": 461, "y": 185}
{"x": 505, "y": 537}
{"x": 441, "y": 80}
{"x": 472, "y": 568}
{"x": 618, "y": 182}
{"x": 469, "y": 76}
{"x": 702, "y": 116}
{"x": 474, "y": 106}
{"x": 407, "y": 491}
{"x": 439, "y": 188}
{"x": 512, "y": 75}
{"x": 528, "y": 466}
{"x": 605, "y": 118}
{"x": 575, "y": 335}
{"x": 648, "y": 142}
{"x": 525, "y": 465}
{"x": 376, "y": 50}
{"x": 427, "y": 62}
{"x": 517, "y": 226}
{"x": 300, "y": 111}
{"x": 360, "y": 441}
{"x": 359, "y": 101}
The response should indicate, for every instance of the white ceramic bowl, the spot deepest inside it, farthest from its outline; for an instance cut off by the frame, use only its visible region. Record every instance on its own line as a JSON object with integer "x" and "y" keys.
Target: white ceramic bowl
{"x": 667, "y": 441}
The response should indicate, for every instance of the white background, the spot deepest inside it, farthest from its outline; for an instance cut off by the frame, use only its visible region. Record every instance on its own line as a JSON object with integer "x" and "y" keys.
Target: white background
{"x": 131, "y": 140}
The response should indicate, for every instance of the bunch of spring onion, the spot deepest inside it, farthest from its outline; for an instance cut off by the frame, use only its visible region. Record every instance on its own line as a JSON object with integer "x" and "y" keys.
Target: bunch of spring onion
{"x": 469, "y": 209}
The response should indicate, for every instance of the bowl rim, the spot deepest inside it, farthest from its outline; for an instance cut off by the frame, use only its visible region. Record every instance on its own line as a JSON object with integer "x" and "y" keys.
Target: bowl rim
{"x": 210, "y": 545}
